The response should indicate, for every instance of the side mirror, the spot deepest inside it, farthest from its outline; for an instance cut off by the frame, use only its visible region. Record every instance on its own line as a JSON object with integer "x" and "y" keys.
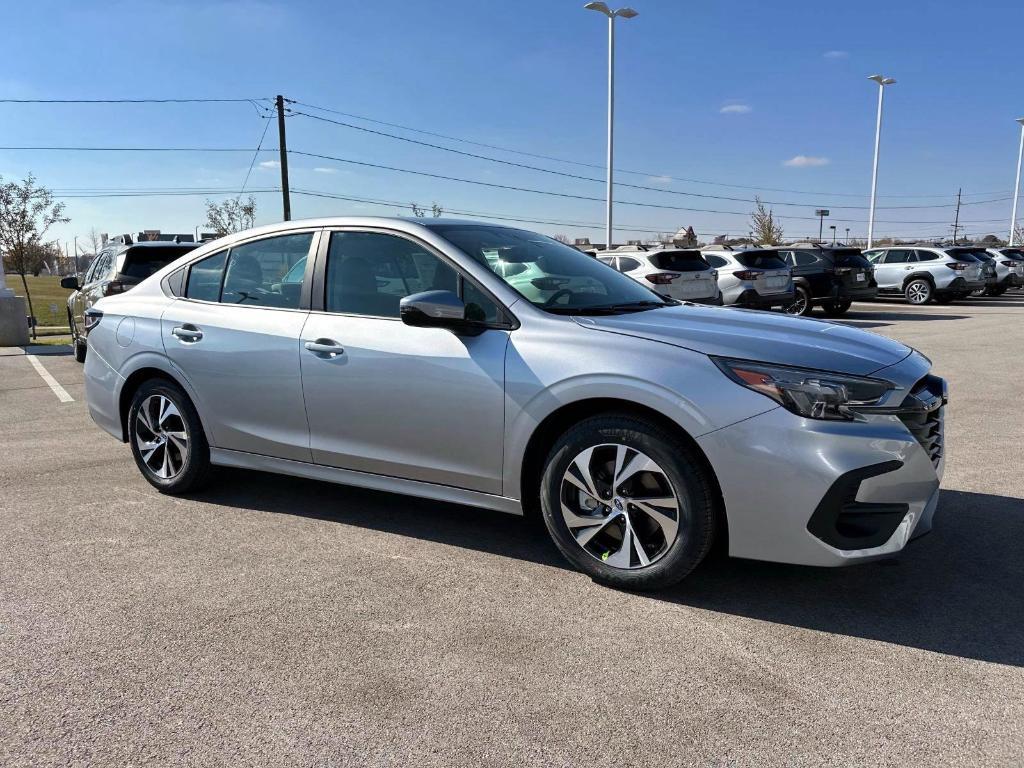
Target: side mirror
{"x": 71, "y": 283}
{"x": 438, "y": 309}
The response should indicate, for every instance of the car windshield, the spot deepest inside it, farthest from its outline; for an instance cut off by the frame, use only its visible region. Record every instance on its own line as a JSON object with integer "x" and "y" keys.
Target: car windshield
{"x": 679, "y": 261}
{"x": 760, "y": 260}
{"x": 550, "y": 274}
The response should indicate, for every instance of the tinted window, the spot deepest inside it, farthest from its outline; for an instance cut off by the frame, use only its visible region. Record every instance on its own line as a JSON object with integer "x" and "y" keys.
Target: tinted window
{"x": 679, "y": 261}
{"x": 140, "y": 263}
{"x": 874, "y": 257}
{"x": 963, "y": 256}
{"x": 927, "y": 255}
{"x": 760, "y": 260}
{"x": 368, "y": 273}
{"x": 628, "y": 265}
{"x": 255, "y": 271}
{"x": 898, "y": 256}
{"x": 850, "y": 258}
{"x": 204, "y": 278}
{"x": 717, "y": 261}
{"x": 555, "y": 272}
{"x": 805, "y": 259}
{"x": 101, "y": 267}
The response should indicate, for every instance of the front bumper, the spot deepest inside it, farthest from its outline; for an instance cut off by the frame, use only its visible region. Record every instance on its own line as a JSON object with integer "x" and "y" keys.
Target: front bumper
{"x": 824, "y": 493}
{"x": 751, "y": 299}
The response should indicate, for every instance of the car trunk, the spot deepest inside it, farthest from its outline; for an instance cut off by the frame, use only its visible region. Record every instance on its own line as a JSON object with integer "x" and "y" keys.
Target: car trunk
{"x": 976, "y": 268}
{"x": 696, "y": 279}
{"x": 852, "y": 270}
{"x": 773, "y": 273}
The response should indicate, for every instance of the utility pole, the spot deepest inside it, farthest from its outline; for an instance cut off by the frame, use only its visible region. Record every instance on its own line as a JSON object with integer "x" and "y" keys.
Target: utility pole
{"x": 283, "y": 148}
{"x": 956, "y": 219}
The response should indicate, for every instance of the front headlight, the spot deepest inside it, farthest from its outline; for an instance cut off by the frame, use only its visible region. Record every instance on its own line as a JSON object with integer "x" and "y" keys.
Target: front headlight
{"x": 814, "y": 394}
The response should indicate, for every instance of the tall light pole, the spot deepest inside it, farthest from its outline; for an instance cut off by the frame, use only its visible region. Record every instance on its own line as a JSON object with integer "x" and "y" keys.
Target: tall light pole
{"x": 882, "y": 82}
{"x": 1016, "y": 184}
{"x": 625, "y": 13}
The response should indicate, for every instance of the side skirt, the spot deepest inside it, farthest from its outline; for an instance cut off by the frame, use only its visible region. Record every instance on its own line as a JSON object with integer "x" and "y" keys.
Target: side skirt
{"x": 242, "y": 460}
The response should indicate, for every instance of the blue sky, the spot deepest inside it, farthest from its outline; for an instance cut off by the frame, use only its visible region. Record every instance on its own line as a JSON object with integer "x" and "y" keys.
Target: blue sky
{"x": 712, "y": 91}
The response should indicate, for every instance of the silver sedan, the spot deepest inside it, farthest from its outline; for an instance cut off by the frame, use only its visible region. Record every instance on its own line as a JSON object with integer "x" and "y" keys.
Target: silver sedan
{"x": 495, "y": 367}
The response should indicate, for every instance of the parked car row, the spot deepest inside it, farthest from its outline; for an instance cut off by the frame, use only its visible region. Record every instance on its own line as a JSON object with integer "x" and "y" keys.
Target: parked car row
{"x": 797, "y": 278}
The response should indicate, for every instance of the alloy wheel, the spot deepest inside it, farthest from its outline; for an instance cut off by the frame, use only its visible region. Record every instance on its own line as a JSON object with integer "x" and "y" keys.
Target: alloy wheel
{"x": 620, "y": 506}
{"x": 799, "y": 305}
{"x": 918, "y": 292}
{"x": 161, "y": 436}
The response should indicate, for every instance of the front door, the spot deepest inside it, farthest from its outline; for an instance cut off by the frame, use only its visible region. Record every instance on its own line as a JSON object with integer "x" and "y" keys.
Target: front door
{"x": 235, "y": 336}
{"x": 896, "y": 263}
{"x": 391, "y": 399}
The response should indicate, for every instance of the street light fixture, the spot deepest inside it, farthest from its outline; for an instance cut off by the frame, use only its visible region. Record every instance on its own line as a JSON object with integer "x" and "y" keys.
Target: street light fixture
{"x": 625, "y": 13}
{"x": 833, "y": 228}
{"x": 1016, "y": 185}
{"x": 882, "y": 82}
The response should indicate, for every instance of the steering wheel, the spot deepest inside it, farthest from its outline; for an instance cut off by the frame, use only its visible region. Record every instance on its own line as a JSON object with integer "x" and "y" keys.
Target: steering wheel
{"x": 557, "y": 295}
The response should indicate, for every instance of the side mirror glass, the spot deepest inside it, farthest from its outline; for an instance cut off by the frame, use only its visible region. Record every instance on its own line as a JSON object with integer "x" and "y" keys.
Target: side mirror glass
{"x": 438, "y": 309}
{"x": 70, "y": 283}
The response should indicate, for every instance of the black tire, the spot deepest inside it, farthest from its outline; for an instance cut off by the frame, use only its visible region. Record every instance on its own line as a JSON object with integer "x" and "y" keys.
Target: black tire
{"x": 689, "y": 482}
{"x": 836, "y": 308}
{"x": 802, "y": 304}
{"x": 918, "y": 291}
{"x": 80, "y": 350}
{"x": 196, "y": 470}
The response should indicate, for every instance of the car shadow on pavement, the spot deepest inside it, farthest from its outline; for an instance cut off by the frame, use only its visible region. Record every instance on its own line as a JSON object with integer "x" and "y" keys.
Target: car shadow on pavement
{"x": 958, "y": 590}
{"x": 896, "y": 316}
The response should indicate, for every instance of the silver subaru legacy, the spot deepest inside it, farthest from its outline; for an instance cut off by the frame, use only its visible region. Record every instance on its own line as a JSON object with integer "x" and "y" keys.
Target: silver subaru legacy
{"x": 490, "y": 366}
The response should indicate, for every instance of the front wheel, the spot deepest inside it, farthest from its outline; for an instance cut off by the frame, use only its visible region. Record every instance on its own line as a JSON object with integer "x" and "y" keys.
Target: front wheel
{"x": 628, "y": 503}
{"x": 918, "y": 291}
{"x": 167, "y": 438}
{"x": 836, "y": 308}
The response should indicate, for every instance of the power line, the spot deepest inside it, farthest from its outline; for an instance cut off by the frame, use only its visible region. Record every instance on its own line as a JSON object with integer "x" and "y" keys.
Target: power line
{"x": 131, "y": 101}
{"x": 657, "y": 190}
{"x": 132, "y": 149}
{"x": 255, "y": 154}
{"x": 567, "y": 195}
{"x": 617, "y": 170}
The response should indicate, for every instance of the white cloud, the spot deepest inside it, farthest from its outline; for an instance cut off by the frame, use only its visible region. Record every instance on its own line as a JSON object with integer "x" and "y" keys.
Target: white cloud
{"x": 325, "y": 170}
{"x": 659, "y": 179}
{"x": 736, "y": 109}
{"x": 270, "y": 164}
{"x": 806, "y": 161}
{"x": 836, "y": 54}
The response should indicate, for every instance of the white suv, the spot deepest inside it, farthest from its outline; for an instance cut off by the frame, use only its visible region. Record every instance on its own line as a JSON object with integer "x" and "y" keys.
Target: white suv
{"x": 924, "y": 273}
{"x": 678, "y": 273}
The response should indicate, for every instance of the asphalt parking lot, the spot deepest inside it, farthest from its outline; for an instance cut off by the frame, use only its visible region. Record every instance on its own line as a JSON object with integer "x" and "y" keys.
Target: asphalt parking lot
{"x": 277, "y": 621}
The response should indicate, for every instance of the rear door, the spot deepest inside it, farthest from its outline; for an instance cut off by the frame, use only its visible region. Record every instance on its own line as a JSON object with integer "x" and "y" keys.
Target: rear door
{"x": 808, "y": 267}
{"x": 235, "y": 336}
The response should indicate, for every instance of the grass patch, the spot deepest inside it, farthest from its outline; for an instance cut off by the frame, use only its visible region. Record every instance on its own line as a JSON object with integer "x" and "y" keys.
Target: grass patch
{"x": 53, "y": 341}
{"x": 46, "y": 292}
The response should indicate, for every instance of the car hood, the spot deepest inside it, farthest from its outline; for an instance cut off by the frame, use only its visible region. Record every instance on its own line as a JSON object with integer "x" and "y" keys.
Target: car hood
{"x": 762, "y": 336}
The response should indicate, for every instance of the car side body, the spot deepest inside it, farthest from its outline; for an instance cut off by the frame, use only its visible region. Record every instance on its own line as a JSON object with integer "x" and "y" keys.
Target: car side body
{"x": 832, "y": 278}
{"x": 924, "y": 273}
{"x": 363, "y": 398}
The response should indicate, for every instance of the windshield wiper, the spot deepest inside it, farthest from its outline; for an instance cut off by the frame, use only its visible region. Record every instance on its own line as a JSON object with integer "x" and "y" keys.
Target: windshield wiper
{"x": 609, "y": 309}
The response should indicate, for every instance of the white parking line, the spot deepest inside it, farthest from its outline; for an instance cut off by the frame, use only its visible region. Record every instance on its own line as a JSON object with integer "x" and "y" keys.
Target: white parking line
{"x": 58, "y": 390}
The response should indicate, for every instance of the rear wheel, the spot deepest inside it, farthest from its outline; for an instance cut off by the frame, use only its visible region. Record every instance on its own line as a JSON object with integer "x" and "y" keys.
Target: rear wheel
{"x": 80, "y": 350}
{"x": 627, "y": 503}
{"x": 802, "y": 304}
{"x": 918, "y": 291}
{"x": 836, "y": 308}
{"x": 167, "y": 438}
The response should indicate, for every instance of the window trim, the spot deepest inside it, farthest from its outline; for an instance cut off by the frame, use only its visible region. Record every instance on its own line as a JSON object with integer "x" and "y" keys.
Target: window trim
{"x": 318, "y": 302}
{"x": 304, "y": 292}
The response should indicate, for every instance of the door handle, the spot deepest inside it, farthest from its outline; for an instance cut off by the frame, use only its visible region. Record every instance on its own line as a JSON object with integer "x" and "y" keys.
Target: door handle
{"x": 187, "y": 333}
{"x": 327, "y": 347}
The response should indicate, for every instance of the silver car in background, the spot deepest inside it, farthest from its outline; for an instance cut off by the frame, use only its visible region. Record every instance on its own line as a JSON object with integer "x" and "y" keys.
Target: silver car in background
{"x": 925, "y": 273}
{"x": 680, "y": 273}
{"x": 495, "y": 367}
{"x": 1008, "y": 264}
{"x": 754, "y": 278}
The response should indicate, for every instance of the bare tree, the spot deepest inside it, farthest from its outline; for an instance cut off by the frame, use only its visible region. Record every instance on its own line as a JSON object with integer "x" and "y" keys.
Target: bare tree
{"x": 27, "y": 211}
{"x": 562, "y": 238}
{"x": 763, "y": 226}
{"x": 436, "y": 210}
{"x": 1018, "y": 236}
{"x": 230, "y": 216}
{"x": 87, "y": 249}
{"x": 421, "y": 213}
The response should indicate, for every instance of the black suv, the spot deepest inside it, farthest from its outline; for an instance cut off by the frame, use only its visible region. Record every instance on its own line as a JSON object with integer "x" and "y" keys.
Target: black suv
{"x": 118, "y": 267}
{"x": 833, "y": 277}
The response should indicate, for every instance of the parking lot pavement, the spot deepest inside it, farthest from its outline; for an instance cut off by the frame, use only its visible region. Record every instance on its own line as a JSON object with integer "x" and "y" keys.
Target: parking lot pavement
{"x": 276, "y": 621}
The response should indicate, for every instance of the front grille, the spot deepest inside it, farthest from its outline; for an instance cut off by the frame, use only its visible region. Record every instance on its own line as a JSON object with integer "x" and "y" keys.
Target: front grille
{"x": 922, "y": 414}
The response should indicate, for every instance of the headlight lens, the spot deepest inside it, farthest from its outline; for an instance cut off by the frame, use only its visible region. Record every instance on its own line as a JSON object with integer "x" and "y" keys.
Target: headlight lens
{"x": 809, "y": 393}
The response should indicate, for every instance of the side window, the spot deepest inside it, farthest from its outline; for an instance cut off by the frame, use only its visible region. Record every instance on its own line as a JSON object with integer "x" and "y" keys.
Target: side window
{"x": 627, "y": 264}
{"x": 716, "y": 261}
{"x": 898, "y": 256}
{"x": 787, "y": 256}
{"x": 609, "y": 260}
{"x": 368, "y": 273}
{"x": 479, "y": 306}
{"x": 255, "y": 272}
{"x": 873, "y": 256}
{"x": 204, "y": 278}
{"x": 805, "y": 259}
{"x": 927, "y": 255}
{"x": 100, "y": 267}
